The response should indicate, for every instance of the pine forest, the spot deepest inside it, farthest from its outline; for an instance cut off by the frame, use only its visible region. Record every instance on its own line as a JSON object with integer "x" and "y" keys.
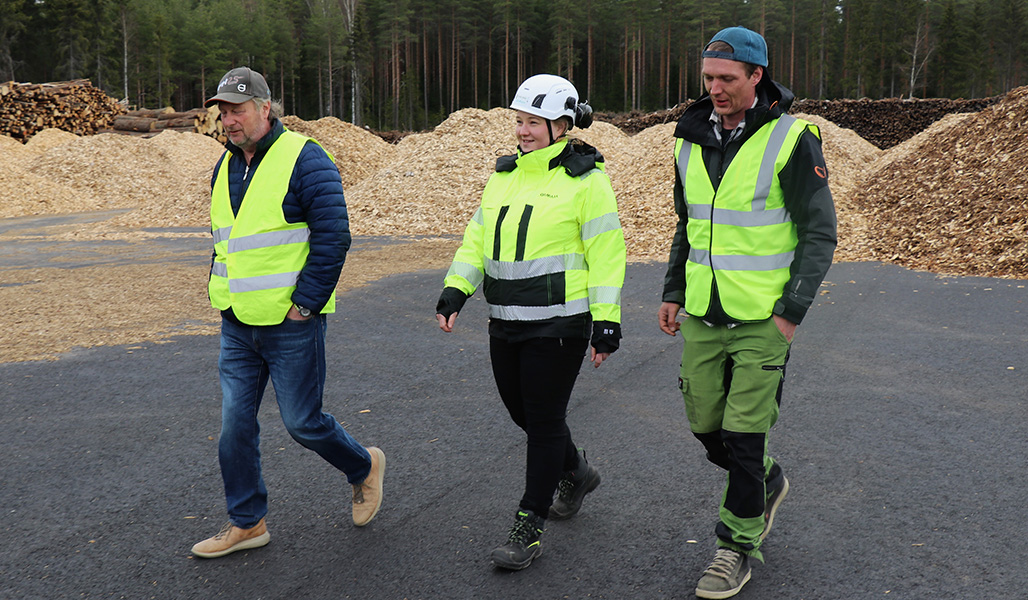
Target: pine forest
{"x": 407, "y": 64}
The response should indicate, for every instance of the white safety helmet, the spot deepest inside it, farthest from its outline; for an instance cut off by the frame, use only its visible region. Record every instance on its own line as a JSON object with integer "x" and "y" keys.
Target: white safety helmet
{"x": 547, "y": 96}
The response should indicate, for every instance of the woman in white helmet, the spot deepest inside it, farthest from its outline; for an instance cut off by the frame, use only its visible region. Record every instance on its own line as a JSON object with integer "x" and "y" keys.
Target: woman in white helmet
{"x": 547, "y": 248}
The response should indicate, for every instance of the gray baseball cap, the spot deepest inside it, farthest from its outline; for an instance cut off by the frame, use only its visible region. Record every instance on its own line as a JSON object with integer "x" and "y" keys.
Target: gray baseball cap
{"x": 239, "y": 85}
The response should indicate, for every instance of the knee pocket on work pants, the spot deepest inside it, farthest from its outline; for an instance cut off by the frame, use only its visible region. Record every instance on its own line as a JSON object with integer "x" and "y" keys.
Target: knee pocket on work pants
{"x": 704, "y": 406}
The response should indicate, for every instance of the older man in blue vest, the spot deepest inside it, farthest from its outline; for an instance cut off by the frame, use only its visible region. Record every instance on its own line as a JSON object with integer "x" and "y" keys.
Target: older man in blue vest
{"x": 281, "y": 233}
{"x": 755, "y": 238}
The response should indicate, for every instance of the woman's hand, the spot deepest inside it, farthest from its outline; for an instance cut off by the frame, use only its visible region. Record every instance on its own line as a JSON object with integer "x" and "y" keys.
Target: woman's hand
{"x": 446, "y": 324}
{"x": 597, "y": 358}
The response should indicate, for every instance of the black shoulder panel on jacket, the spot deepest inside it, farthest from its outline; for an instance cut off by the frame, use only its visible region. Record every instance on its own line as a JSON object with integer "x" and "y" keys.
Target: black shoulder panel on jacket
{"x": 579, "y": 158}
{"x": 506, "y": 163}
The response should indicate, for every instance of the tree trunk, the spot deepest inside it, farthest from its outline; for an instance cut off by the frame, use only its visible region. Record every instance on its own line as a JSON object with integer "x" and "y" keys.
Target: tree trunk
{"x": 331, "y": 88}
{"x": 441, "y": 66}
{"x": 666, "y": 67}
{"x": 590, "y": 61}
{"x": 821, "y": 66}
{"x": 124, "y": 51}
{"x": 394, "y": 74}
{"x": 792, "y": 49}
{"x": 424, "y": 70}
{"x": 455, "y": 103}
{"x": 626, "y": 65}
{"x": 321, "y": 92}
{"x": 519, "y": 54}
{"x": 349, "y": 9}
{"x": 506, "y": 62}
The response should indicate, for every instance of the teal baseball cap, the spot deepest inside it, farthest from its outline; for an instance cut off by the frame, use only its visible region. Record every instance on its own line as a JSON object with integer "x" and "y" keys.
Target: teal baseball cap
{"x": 747, "y": 46}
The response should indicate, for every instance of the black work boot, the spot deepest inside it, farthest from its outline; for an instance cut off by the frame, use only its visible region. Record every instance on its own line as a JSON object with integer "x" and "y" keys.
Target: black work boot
{"x": 522, "y": 542}
{"x": 573, "y": 487}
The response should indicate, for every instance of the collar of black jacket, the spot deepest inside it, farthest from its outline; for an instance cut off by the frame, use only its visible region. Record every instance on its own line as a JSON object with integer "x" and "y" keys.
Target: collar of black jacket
{"x": 577, "y": 159}
{"x": 773, "y": 101}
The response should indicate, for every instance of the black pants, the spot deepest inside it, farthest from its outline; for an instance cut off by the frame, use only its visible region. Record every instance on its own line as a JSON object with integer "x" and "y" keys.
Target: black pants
{"x": 535, "y": 378}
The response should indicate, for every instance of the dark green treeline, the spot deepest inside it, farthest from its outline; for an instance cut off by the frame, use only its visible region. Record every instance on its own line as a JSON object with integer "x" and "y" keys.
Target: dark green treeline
{"x": 406, "y": 64}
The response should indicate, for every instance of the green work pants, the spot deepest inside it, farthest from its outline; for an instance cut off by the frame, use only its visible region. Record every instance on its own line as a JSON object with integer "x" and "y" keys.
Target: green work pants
{"x": 731, "y": 381}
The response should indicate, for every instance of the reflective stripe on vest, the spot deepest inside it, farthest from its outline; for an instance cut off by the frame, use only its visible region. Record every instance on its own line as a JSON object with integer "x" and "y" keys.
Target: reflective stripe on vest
{"x": 258, "y": 254}
{"x": 741, "y": 235}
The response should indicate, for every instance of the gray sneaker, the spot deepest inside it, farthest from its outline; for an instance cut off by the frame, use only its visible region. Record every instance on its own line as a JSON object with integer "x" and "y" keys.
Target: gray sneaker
{"x": 774, "y": 499}
{"x": 727, "y": 573}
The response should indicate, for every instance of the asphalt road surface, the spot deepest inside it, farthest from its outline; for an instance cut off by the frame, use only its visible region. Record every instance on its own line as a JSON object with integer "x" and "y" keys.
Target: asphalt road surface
{"x": 902, "y": 434}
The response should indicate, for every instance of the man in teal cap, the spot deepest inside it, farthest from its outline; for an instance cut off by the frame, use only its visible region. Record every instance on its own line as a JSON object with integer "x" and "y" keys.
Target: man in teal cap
{"x": 755, "y": 238}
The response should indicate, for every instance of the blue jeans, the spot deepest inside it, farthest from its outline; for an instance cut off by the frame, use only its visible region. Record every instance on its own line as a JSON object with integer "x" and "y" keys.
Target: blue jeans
{"x": 292, "y": 355}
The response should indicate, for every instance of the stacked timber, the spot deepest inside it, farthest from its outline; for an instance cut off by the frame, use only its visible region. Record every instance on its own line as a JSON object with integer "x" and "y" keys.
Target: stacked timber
{"x": 198, "y": 120}
{"x": 74, "y": 106}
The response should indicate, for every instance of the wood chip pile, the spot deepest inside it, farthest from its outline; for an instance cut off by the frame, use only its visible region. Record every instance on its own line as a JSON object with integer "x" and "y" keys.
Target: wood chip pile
{"x": 167, "y": 177}
{"x": 358, "y": 152}
{"x": 849, "y": 158}
{"x": 959, "y": 204}
{"x": 433, "y": 183}
{"x": 75, "y": 106}
{"x": 643, "y": 184}
{"x": 951, "y": 199}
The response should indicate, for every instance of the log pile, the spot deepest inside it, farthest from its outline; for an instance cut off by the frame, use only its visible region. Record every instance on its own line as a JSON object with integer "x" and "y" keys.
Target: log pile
{"x": 74, "y": 106}
{"x": 148, "y": 121}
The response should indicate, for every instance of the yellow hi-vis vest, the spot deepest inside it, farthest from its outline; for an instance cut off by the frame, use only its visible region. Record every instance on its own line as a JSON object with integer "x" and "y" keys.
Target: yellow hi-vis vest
{"x": 258, "y": 254}
{"x": 544, "y": 244}
{"x": 742, "y": 235}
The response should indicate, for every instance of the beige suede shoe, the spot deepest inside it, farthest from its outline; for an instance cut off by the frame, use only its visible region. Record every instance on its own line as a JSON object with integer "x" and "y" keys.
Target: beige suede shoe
{"x": 367, "y": 495}
{"x": 231, "y": 539}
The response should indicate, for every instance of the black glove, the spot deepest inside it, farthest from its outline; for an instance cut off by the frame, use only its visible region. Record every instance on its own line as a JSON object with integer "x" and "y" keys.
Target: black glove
{"x": 605, "y": 336}
{"x": 450, "y": 301}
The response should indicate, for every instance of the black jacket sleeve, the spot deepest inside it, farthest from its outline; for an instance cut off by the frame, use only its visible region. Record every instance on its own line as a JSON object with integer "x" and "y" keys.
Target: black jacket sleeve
{"x": 804, "y": 181}
{"x": 674, "y": 279}
{"x": 606, "y": 336}
{"x": 450, "y": 301}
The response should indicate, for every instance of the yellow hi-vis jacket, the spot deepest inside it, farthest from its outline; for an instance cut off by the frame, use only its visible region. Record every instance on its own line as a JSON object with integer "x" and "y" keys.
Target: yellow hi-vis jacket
{"x": 742, "y": 236}
{"x": 544, "y": 243}
{"x": 258, "y": 254}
